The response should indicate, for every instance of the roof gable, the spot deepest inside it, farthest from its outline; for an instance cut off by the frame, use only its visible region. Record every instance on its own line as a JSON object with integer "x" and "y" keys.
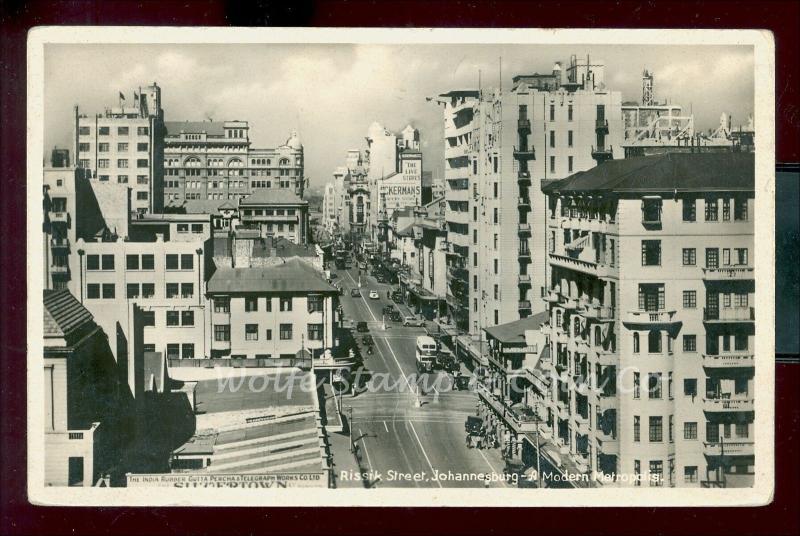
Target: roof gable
{"x": 63, "y": 313}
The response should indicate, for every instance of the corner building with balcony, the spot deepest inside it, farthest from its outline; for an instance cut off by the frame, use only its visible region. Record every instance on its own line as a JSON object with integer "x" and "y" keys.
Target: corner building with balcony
{"x": 651, "y": 324}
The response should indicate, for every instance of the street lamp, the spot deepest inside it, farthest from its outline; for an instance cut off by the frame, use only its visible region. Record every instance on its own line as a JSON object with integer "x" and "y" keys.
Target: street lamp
{"x": 350, "y": 427}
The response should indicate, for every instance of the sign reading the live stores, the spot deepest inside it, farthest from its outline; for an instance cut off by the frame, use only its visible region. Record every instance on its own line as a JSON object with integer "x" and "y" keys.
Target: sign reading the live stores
{"x": 195, "y": 480}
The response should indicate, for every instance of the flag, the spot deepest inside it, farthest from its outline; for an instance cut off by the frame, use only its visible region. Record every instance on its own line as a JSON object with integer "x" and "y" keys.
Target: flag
{"x": 121, "y": 96}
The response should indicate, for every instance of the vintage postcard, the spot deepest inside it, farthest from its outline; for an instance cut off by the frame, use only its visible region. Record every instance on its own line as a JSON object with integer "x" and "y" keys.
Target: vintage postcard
{"x": 388, "y": 267}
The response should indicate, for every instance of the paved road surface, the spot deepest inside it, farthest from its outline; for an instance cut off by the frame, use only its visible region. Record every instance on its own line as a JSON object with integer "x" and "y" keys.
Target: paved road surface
{"x": 404, "y": 445}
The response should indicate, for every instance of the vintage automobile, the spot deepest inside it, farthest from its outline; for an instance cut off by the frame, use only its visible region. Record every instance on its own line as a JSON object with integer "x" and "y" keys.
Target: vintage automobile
{"x": 355, "y": 293}
{"x": 474, "y": 430}
{"x": 413, "y": 321}
{"x": 362, "y": 327}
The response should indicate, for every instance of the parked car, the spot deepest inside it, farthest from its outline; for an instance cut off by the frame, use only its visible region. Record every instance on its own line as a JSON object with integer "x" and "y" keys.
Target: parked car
{"x": 373, "y": 295}
{"x": 355, "y": 293}
{"x": 367, "y": 340}
{"x": 413, "y": 321}
{"x": 397, "y": 297}
{"x": 362, "y": 327}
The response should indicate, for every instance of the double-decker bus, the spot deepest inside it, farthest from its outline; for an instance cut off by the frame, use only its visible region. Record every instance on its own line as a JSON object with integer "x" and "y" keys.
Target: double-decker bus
{"x": 427, "y": 351}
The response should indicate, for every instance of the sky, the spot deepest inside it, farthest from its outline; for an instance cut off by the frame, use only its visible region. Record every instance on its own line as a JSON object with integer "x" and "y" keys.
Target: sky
{"x": 331, "y": 93}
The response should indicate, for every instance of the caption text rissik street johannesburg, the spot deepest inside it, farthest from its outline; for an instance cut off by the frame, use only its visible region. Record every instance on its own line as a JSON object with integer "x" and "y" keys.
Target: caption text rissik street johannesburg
{"x": 424, "y": 476}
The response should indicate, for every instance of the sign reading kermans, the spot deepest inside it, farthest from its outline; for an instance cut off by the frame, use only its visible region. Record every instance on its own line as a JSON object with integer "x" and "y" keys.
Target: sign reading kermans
{"x": 194, "y": 480}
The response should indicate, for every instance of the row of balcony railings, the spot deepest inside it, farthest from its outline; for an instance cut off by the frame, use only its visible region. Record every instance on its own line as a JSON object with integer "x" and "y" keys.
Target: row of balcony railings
{"x": 235, "y": 362}
{"x": 729, "y": 314}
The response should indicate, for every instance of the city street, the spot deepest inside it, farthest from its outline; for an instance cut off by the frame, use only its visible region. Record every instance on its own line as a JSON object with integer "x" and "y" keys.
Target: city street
{"x": 401, "y": 444}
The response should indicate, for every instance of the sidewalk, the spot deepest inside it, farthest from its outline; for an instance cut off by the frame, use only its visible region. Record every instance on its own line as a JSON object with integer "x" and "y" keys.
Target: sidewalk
{"x": 343, "y": 461}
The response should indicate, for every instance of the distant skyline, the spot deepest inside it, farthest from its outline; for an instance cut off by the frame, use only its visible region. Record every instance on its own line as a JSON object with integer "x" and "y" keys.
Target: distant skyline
{"x": 331, "y": 94}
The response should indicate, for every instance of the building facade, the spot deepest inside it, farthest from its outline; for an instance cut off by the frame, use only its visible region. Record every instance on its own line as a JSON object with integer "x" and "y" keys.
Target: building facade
{"x": 125, "y": 145}
{"x": 279, "y": 213}
{"x": 207, "y": 160}
{"x": 651, "y": 319}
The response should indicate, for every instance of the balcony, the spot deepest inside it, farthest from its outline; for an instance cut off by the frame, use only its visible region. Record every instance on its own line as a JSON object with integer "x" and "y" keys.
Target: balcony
{"x": 578, "y": 265}
{"x": 524, "y": 254}
{"x": 722, "y": 404}
{"x": 524, "y": 178}
{"x": 523, "y": 154}
{"x": 601, "y": 154}
{"x": 524, "y": 126}
{"x": 650, "y": 318}
{"x": 601, "y": 126}
{"x": 524, "y": 203}
{"x": 457, "y": 272}
{"x": 562, "y": 410}
{"x": 524, "y": 279}
{"x": 728, "y": 361}
{"x": 59, "y": 243}
{"x": 729, "y": 314}
{"x": 551, "y": 297}
{"x": 582, "y": 424}
{"x": 520, "y": 418}
{"x": 524, "y": 228}
{"x": 570, "y": 304}
{"x": 732, "y": 273}
{"x": 729, "y": 448}
{"x": 606, "y": 401}
{"x": 606, "y": 358}
{"x": 524, "y": 305}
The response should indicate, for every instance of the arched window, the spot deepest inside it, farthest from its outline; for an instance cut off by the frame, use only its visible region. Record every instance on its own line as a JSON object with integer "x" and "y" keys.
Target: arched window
{"x": 191, "y": 162}
{"x": 635, "y": 343}
{"x": 576, "y": 327}
{"x": 284, "y": 162}
{"x": 235, "y": 162}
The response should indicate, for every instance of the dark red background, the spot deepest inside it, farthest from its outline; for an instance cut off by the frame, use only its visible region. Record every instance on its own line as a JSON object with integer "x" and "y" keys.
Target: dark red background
{"x": 19, "y": 517}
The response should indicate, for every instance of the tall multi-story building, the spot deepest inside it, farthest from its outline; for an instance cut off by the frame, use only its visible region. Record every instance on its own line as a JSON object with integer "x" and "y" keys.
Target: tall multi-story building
{"x": 280, "y": 213}
{"x": 125, "y": 145}
{"x": 330, "y": 220}
{"x": 215, "y": 161}
{"x": 499, "y": 147}
{"x": 651, "y": 318}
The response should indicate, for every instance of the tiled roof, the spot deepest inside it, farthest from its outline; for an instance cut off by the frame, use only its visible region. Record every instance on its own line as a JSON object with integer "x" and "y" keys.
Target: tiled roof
{"x": 291, "y": 276}
{"x": 174, "y": 128}
{"x": 665, "y": 173}
{"x": 514, "y": 332}
{"x": 273, "y": 196}
{"x": 63, "y": 313}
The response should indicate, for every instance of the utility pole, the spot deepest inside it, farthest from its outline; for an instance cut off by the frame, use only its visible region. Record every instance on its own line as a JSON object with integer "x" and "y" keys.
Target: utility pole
{"x": 350, "y": 427}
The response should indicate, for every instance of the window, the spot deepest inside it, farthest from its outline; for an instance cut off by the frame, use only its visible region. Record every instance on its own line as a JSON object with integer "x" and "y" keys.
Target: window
{"x": 142, "y": 131}
{"x": 197, "y": 228}
{"x": 690, "y": 387}
{"x": 182, "y": 227}
{"x": 740, "y": 256}
{"x": 552, "y": 164}
{"x": 569, "y": 112}
{"x": 104, "y": 131}
{"x": 222, "y": 305}
{"x": 93, "y": 291}
{"x": 569, "y": 138}
{"x": 172, "y": 290}
{"x": 651, "y": 211}
{"x": 83, "y": 147}
{"x": 636, "y": 428}
{"x": 690, "y": 430}
{"x": 84, "y": 131}
{"x": 726, "y": 209}
{"x": 187, "y": 290}
{"x": 742, "y": 430}
{"x": 104, "y": 163}
{"x": 741, "y": 342}
{"x": 689, "y": 209}
{"x": 173, "y": 318}
{"x": 315, "y": 332}
{"x": 251, "y": 304}
{"x": 122, "y": 147}
{"x": 740, "y": 209}
{"x": 711, "y": 209}
{"x": 269, "y": 334}
{"x": 148, "y": 262}
{"x": 654, "y": 342}
{"x": 690, "y": 474}
{"x": 496, "y": 216}
{"x": 552, "y": 138}
{"x": 726, "y": 257}
{"x": 552, "y": 112}
{"x": 654, "y": 385}
{"x": 172, "y": 261}
{"x": 315, "y": 302}
{"x": 651, "y": 297}
{"x": 689, "y": 256}
{"x": 635, "y": 343}
{"x": 149, "y": 319}
{"x": 286, "y": 332}
{"x": 108, "y": 262}
{"x": 656, "y": 431}
{"x": 187, "y": 350}
{"x": 712, "y": 258}
{"x": 187, "y": 318}
{"x": 656, "y": 472}
{"x": 251, "y": 332}
{"x": 122, "y": 131}
{"x": 651, "y": 252}
{"x": 75, "y": 471}
{"x": 187, "y": 261}
{"x": 689, "y": 299}
{"x": 569, "y": 164}
{"x": 141, "y": 147}
{"x": 122, "y": 179}
{"x": 103, "y": 147}
{"x": 222, "y": 332}
{"x": 637, "y": 471}
{"x": 132, "y": 290}
{"x": 690, "y": 343}
{"x": 108, "y": 291}
{"x": 92, "y": 262}
{"x": 142, "y": 162}
{"x": 148, "y": 290}
{"x": 141, "y": 196}
{"x": 286, "y": 304}
{"x": 636, "y": 390}
{"x": 670, "y": 429}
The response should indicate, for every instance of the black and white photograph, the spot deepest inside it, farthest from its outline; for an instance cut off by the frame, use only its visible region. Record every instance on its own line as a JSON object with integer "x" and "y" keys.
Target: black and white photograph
{"x": 400, "y": 267}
